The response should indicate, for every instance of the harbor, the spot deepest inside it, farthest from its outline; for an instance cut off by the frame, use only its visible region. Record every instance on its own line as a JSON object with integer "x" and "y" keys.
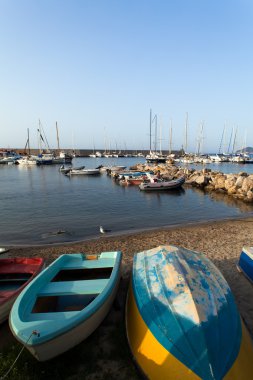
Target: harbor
{"x": 96, "y": 200}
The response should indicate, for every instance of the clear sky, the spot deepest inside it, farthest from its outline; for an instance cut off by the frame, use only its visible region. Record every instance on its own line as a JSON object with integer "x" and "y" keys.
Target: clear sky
{"x": 98, "y": 66}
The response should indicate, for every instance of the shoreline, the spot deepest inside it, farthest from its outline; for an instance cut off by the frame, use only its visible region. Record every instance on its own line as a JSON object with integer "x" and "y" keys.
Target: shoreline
{"x": 221, "y": 241}
{"x": 129, "y": 232}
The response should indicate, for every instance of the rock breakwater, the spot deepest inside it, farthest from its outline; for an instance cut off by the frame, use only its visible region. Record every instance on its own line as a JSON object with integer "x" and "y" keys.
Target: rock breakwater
{"x": 239, "y": 186}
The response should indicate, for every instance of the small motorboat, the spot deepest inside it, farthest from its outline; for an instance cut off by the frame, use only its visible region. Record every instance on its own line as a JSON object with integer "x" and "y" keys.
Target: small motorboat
{"x": 182, "y": 321}
{"x": 65, "y": 303}
{"x": 245, "y": 263}
{"x": 15, "y": 274}
{"x": 63, "y": 169}
{"x": 160, "y": 184}
{"x": 83, "y": 172}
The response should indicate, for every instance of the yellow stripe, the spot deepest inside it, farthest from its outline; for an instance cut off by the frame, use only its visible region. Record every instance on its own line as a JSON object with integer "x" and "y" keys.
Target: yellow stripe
{"x": 154, "y": 360}
{"x": 243, "y": 366}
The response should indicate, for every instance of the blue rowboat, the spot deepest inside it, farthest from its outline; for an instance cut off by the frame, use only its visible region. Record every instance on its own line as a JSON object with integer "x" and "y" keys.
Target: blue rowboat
{"x": 182, "y": 321}
{"x": 245, "y": 263}
{"x": 65, "y": 303}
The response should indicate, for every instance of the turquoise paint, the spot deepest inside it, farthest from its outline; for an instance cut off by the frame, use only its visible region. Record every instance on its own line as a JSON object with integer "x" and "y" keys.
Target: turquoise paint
{"x": 50, "y": 325}
{"x": 197, "y": 320}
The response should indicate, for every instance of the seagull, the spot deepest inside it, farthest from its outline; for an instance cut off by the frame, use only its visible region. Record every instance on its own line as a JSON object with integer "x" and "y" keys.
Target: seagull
{"x": 103, "y": 230}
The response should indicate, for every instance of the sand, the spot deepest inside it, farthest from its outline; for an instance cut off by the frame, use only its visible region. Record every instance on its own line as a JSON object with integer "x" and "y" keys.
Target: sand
{"x": 221, "y": 241}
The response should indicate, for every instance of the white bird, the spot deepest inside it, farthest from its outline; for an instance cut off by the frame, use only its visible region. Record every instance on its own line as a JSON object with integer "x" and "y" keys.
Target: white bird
{"x": 102, "y": 230}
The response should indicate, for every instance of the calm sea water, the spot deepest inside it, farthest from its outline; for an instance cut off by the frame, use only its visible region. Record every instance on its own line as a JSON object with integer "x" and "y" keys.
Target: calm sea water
{"x": 37, "y": 202}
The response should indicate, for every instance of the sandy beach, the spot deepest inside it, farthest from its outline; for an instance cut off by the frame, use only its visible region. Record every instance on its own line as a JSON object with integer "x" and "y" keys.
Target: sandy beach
{"x": 105, "y": 354}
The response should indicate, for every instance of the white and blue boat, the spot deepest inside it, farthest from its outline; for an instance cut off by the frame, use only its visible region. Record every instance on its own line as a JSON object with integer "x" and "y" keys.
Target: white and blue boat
{"x": 182, "y": 321}
{"x": 245, "y": 263}
{"x": 65, "y": 303}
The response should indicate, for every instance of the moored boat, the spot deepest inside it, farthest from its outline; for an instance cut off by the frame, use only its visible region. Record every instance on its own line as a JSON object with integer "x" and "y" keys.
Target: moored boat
{"x": 182, "y": 321}
{"x": 245, "y": 263}
{"x": 83, "y": 172}
{"x": 15, "y": 274}
{"x": 65, "y": 303}
{"x": 160, "y": 184}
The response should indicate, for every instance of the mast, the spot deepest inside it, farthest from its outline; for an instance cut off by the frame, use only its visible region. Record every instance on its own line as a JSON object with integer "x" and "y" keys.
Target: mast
{"x": 200, "y": 139}
{"x": 57, "y": 134}
{"x": 230, "y": 140}
{"x": 222, "y": 136}
{"x": 39, "y": 130}
{"x": 28, "y": 142}
{"x": 186, "y": 131}
{"x": 150, "y": 130}
{"x": 233, "y": 149}
{"x": 170, "y": 149}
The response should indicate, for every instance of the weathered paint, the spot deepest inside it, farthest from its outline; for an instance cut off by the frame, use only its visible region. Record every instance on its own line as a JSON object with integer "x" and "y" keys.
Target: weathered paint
{"x": 187, "y": 306}
{"x": 246, "y": 262}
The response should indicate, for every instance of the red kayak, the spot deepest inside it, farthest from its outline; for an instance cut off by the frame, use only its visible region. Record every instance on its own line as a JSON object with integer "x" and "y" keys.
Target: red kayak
{"x": 15, "y": 274}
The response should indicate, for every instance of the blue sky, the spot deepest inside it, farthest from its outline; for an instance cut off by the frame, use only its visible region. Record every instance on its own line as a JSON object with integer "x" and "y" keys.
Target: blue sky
{"x": 97, "y": 67}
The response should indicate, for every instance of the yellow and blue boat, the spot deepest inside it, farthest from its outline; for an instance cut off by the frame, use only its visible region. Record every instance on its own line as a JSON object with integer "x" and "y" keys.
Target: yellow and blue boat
{"x": 182, "y": 321}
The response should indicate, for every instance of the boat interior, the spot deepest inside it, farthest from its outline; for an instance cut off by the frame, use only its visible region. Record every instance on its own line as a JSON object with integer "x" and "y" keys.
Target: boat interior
{"x": 72, "y": 290}
{"x": 13, "y": 281}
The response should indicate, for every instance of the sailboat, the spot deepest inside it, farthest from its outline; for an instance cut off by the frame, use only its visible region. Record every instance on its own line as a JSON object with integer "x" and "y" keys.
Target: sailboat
{"x": 93, "y": 155}
{"x": 27, "y": 160}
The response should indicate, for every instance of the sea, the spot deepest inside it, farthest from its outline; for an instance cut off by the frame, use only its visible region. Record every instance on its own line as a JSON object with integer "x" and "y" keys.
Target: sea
{"x": 40, "y": 205}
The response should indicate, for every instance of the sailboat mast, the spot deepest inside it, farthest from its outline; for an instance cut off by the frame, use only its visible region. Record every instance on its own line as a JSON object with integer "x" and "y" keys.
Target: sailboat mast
{"x": 150, "y": 130}
{"x": 28, "y": 142}
{"x": 39, "y": 130}
{"x": 57, "y": 134}
{"x": 186, "y": 131}
{"x": 233, "y": 149}
{"x": 170, "y": 150}
{"x": 221, "y": 142}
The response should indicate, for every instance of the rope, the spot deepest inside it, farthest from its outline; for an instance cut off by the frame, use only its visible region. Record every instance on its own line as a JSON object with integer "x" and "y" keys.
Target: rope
{"x": 11, "y": 367}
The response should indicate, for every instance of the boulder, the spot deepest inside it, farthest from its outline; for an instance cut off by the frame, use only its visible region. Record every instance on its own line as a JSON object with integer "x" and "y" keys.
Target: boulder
{"x": 230, "y": 182}
{"x": 247, "y": 184}
{"x": 202, "y": 181}
{"x": 239, "y": 181}
{"x": 250, "y": 196}
{"x": 219, "y": 182}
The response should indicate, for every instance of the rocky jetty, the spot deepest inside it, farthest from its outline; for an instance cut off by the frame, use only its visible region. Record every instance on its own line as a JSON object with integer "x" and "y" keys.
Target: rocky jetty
{"x": 239, "y": 186}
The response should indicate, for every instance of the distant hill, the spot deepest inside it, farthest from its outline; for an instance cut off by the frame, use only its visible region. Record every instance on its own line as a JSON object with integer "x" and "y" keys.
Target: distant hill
{"x": 248, "y": 149}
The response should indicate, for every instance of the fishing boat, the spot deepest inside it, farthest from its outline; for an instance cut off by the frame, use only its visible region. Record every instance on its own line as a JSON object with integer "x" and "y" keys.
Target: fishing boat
{"x": 182, "y": 321}
{"x": 15, "y": 274}
{"x": 83, "y": 172}
{"x": 245, "y": 263}
{"x": 65, "y": 303}
{"x": 160, "y": 184}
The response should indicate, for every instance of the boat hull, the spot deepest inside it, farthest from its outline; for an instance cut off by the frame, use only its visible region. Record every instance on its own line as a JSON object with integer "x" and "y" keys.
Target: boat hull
{"x": 161, "y": 186}
{"x": 245, "y": 263}
{"x": 10, "y": 287}
{"x": 158, "y": 346}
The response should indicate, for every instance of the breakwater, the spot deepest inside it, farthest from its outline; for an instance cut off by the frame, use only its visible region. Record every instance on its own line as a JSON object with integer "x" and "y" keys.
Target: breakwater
{"x": 238, "y": 186}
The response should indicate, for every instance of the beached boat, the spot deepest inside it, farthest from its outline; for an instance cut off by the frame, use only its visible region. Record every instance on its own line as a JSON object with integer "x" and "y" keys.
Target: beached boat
{"x": 84, "y": 172}
{"x": 245, "y": 263}
{"x": 66, "y": 302}
{"x": 160, "y": 184}
{"x": 182, "y": 321}
{"x": 15, "y": 274}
